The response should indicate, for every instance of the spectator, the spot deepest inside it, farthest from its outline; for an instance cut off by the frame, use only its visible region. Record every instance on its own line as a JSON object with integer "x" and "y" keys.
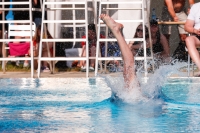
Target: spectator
{"x": 37, "y": 15}
{"x": 36, "y": 42}
{"x": 113, "y": 50}
{"x": 192, "y": 26}
{"x": 136, "y": 47}
{"x": 160, "y": 46}
{"x": 21, "y": 15}
{"x": 92, "y": 39}
{"x": 174, "y": 10}
{"x": 1, "y": 34}
{"x": 1, "y": 25}
{"x": 159, "y": 42}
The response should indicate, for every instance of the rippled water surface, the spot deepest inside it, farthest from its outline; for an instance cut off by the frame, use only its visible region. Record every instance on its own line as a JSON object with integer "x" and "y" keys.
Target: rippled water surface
{"x": 84, "y": 105}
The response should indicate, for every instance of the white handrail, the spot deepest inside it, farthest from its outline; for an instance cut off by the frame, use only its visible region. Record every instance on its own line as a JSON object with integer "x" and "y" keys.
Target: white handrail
{"x": 29, "y": 3}
{"x": 141, "y": 2}
{"x": 84, "y": 23}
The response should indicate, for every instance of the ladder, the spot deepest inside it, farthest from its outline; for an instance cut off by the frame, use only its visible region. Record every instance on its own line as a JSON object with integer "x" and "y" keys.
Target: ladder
{"x": 75, "y": 5}
{"x": 105, "y": 6}
{"x": 4, "y": 40}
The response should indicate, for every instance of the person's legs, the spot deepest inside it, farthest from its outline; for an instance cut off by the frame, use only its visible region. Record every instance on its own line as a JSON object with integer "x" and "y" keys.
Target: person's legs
{"x": 92, "y": 54}
{"x": 192, "y": 43}
{"x": 183, "y": 37}
{"x": 91, "y": 61}
{"x": 35, "y": 54}
{"x": 82, "y": 62}
{"x": 45, "y": 54}
{"x": 167, "y": 37}
{"x": 166, "y": 29}
{"x": 1, "y": 43}
{"x": 116, "y": 28}
{"x": 182, "y": 33}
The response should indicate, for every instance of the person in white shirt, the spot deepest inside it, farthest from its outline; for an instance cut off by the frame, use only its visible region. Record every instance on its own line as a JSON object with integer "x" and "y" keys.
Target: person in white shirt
{"x": 192, "y": 26}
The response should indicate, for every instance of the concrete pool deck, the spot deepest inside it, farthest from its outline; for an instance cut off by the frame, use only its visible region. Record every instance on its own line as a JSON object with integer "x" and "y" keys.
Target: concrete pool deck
{"x": 73, "y": 74}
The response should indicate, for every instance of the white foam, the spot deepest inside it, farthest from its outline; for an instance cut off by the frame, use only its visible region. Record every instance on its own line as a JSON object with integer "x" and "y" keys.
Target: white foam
{"x": 146, "y": 91}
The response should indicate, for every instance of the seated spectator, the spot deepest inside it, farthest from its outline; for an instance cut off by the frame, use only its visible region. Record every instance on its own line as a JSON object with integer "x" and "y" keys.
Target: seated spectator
{"x": 136, "y": 46}
{"x": 192, "y": 26}
{"x": 159, "y": 42}
{"x": 36, "y": 42}
{"x": 113, "y": 50}
{"x": 1, "y": 34}
{"x": 92, "y": 39}
{"x": 19, "y": 15}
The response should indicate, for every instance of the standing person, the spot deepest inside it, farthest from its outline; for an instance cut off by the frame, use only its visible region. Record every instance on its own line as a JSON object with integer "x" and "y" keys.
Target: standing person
{"x": 37, "y": 15}
{"x": 174, "y": 10}
{"x": 192, "y": 26}
{"x": 21, "y": 15}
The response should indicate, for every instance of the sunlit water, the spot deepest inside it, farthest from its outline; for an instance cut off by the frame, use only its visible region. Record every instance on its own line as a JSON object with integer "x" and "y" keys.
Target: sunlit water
{"x": 85, "y": 105}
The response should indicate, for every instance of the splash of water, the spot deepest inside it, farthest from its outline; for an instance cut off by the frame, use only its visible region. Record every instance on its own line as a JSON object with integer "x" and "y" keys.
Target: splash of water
{"x": 146, "y": 92}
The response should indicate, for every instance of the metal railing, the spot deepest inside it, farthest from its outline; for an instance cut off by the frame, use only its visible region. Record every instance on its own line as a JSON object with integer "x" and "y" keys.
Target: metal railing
{"x": 4, "y": 40}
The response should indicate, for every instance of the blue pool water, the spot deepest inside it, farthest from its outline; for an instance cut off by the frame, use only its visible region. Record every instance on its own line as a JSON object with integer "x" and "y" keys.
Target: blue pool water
{"x": 85, "y": 105}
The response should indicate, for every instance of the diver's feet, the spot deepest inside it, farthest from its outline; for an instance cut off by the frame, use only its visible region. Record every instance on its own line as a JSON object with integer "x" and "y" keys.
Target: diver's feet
{"x": 114, "y": 26}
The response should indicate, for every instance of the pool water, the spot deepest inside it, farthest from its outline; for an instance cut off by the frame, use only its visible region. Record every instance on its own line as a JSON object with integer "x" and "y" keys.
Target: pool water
{"x": 85, "y": 105}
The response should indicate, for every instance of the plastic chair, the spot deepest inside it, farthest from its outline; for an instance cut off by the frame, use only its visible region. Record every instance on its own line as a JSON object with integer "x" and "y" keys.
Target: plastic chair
{"x": 21, "y": 46}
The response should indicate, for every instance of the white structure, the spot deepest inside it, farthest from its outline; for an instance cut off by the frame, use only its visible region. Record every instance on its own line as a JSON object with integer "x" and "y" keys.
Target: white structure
{"x": 54, "y": 28}
{"x": 129, "y": 29}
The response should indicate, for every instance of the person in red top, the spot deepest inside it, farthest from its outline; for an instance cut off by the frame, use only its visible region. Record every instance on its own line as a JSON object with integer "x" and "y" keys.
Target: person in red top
{"x": 36, "y": 42}
{"x": 92, "y": 39}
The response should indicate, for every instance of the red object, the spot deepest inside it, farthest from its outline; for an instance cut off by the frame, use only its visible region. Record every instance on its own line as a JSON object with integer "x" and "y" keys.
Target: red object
{"x": 83, "y": 43}
{"x": 17, "y": 49}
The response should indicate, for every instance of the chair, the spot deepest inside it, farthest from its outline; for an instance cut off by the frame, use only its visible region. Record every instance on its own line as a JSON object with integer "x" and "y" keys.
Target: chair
{"x": 190, "y": 63}
{"x": 22, "y": 46}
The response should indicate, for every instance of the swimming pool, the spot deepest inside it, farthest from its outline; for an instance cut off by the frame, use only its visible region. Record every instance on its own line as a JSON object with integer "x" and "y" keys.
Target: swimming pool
{"x": 84, "y": 105}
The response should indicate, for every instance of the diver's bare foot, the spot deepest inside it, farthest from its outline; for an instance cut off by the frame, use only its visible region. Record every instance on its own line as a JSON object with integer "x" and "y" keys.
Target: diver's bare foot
{"x": 114, "y": 26}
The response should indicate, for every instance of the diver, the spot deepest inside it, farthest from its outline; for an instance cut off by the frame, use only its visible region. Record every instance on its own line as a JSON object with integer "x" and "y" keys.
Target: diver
{"x": 129, "y": 74}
